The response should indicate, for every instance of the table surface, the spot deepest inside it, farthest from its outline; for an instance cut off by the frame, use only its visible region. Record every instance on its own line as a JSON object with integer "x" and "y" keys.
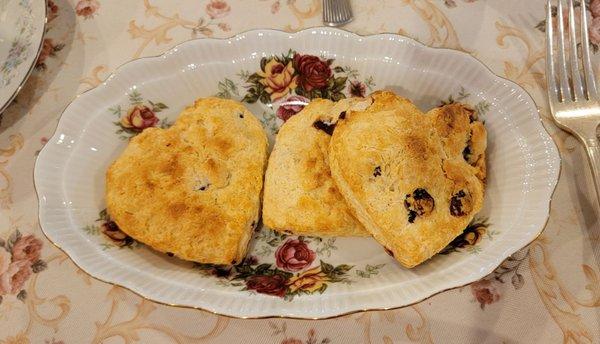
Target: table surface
{"x": 550, "y": 293}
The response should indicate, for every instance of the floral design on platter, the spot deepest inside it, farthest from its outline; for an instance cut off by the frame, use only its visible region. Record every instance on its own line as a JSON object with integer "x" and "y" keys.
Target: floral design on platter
{"x": 481, "y": 107}
{"x": 296, "y": 271}
{"x": 298, "y": 74}
{"x": 20, "y": 257}
{"x": 593, "y": 13}
{"x": 140, "y": 115}
{"x": 294, "y": 255}
{"x": 268, "y": 279}
{"x": 289, "y": 81}
{"x": 108, "y": 228}
{"x": 369, "y": 270}
{"x": 470, "y": 237}
{"x": 87, "y": 8}
{"x": 20, "y": 45}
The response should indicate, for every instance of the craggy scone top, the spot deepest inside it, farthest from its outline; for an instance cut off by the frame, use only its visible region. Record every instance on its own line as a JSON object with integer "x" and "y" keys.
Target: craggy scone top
{"x": 194, "y": 189}
{"x": 414, "y": 180}
{"x": 300, "y": 195}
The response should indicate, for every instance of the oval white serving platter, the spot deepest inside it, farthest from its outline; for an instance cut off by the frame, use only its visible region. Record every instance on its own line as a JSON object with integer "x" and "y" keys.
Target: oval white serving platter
{"x": 264, "y": 68}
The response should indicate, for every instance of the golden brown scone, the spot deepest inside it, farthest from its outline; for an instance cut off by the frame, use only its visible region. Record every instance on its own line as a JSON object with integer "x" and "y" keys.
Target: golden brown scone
{"x": 193, "y": 189}
{"x": 463, "y": 134}
{"x": 404, "y": 175}
{"x": 300, "y": 196}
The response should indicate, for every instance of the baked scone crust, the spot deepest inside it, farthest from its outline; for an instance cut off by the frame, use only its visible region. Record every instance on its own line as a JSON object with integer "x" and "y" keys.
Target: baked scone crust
{"x": 193, "y": 190}
{"x": 405, "y": 176}
{"x": 300, "y": 196}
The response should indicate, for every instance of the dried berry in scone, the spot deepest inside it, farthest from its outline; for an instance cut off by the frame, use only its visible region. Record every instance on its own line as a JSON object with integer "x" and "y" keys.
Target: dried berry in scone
{"x": 418, "y": 203}
{"x": 324, "y": 126}
{"x": 461, "y": 203}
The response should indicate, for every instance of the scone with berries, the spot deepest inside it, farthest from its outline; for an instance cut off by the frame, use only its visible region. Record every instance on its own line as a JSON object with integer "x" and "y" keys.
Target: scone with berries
{"x": 413, "y": 179}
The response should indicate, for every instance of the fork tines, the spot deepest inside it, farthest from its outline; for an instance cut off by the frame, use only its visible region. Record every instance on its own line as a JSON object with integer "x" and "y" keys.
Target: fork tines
{"x": 568, "y": 85}
{"x": 336, "y": 12}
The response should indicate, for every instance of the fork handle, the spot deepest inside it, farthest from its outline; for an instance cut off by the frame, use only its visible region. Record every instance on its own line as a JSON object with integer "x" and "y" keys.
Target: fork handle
{"x": 593, "y": 151}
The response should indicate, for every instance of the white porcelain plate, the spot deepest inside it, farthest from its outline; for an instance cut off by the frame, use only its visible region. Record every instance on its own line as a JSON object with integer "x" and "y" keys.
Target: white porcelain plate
{"x": 264, "y": 69}
{"x": 22, "y": 25}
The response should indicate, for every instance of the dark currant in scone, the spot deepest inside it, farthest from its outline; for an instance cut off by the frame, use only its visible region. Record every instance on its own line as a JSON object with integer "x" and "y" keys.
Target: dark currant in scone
{"x": 324, "y": 126}
{"x": 377, "y": 171}
{"x": 461, "y": 203}
{"x": 419, "y": 203}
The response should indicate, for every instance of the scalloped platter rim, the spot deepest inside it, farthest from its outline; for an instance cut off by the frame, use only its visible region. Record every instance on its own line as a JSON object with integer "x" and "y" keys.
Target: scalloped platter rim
{"x": 262, "y": 68}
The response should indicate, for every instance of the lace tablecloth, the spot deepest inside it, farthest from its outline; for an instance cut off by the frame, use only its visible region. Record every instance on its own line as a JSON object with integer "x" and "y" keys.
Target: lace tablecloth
{"x": 548, "y": 293}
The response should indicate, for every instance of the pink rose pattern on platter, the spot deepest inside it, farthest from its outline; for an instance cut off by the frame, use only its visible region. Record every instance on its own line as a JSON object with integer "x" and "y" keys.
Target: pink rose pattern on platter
{"x": 140, "y": 114}
{"x": 20, "y": 257}
{"x": 294, "y": 272}
{"x": 291, "y": 106}
{"x": 294, "y": 255}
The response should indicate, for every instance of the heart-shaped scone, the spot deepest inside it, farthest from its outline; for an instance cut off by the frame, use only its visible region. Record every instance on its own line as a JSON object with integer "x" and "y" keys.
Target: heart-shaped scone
{"x": 414, "y": 180}
{"x": 193, "y": 190}
{"x": 300, "y": 195}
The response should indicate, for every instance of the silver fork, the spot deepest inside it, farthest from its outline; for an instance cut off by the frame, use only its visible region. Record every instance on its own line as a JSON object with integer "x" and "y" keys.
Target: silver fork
{"x": 336, "y": 12}
{"x": 574, "y": 103}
